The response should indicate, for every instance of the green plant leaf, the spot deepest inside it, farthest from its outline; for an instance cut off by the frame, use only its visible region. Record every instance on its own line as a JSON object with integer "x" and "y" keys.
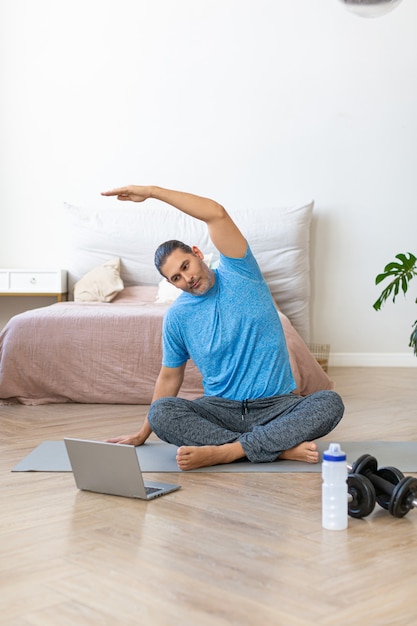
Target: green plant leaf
{"x": 393, "y": 268}
{"x": 403, "y": 272}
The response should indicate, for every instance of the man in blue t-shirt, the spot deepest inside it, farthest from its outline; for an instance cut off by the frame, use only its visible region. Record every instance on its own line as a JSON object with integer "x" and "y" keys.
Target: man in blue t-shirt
{"x": 226, "y": 321}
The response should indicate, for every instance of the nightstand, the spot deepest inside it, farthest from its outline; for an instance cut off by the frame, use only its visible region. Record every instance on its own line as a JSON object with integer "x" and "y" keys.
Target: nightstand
{"x": 33, "y": 282}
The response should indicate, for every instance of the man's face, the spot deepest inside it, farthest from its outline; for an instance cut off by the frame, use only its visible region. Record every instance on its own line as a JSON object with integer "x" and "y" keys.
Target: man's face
{"x": 188, "y": 271}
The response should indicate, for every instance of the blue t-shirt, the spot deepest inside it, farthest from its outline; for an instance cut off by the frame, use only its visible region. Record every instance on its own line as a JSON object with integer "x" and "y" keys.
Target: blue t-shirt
{"x": 232, "y": 333}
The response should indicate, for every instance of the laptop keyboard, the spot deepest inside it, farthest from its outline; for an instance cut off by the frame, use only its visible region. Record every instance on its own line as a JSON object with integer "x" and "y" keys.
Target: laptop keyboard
{"x": 150, "y": 490}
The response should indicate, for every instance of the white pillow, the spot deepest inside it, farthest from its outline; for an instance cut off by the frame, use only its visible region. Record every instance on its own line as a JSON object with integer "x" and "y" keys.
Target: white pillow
{"x": 100, "y": 284}
{"x": 279, "y": 238}
{"x": 167, "y": 293}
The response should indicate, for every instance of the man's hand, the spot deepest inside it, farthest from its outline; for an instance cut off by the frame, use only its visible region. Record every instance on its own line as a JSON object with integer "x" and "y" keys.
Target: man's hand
{"x": 137, "y": 439}
{"x": 134, "y": 193}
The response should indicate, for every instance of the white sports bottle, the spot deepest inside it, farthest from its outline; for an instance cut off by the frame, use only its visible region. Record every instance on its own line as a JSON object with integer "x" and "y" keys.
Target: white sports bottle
{"x": 334, "y": 489}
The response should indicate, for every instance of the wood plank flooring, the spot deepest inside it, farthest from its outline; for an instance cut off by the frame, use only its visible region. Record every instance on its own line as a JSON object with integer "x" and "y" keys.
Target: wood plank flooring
{"x": 226, "y": 549}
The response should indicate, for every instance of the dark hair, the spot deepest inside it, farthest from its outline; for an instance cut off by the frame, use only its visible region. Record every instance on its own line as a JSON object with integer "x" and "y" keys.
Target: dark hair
{"x": 165, "y": 249}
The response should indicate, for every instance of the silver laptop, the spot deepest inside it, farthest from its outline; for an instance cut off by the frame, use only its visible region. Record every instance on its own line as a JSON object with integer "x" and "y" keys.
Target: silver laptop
{"x": 111, "y": 468}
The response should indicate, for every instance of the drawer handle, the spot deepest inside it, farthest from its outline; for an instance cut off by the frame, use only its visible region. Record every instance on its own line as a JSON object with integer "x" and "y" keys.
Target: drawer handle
{"x": 33, "y": 281}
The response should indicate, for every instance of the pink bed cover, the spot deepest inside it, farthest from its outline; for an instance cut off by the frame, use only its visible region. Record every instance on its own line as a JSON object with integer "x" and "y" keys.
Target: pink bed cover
{"x": 107, "y": 353}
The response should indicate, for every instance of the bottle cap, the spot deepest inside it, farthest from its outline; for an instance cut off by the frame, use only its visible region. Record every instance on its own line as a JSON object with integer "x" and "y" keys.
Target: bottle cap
{"x": 334, "y": 453}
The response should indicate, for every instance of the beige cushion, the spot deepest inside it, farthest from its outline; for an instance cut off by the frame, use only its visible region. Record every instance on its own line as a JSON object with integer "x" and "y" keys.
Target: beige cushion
{"x": 100, "y": 284}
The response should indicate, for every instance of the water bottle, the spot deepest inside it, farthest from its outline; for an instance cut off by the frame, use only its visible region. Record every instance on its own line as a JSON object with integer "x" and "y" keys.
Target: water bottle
{"x": 334, "y": 489}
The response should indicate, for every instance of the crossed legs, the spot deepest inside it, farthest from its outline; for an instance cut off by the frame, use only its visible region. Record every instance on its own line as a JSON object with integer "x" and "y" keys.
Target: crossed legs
{"x": 210, "y": 431}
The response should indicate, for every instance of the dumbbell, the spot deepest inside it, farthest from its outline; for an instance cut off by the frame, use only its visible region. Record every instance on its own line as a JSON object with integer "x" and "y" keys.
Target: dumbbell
{"x": 361, "y": 495}
{"x": 394, "y": 491}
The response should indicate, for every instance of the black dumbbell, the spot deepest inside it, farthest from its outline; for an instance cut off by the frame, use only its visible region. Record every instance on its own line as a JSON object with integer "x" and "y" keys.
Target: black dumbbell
{"x": 394, "y": 491}
{"x": 393, "y": 476}
{"x": 361, "y": 495}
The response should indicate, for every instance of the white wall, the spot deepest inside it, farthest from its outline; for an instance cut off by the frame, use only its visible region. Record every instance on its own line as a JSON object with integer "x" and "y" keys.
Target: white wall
{"x": 254, "y": 103}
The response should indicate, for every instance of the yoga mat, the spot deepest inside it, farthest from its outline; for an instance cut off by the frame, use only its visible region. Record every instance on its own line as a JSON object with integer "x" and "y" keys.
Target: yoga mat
{"x": 51, "y": 456}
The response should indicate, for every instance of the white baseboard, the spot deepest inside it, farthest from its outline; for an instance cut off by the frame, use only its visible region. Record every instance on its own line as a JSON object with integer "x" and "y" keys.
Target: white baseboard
{"x": 372, "y": 359}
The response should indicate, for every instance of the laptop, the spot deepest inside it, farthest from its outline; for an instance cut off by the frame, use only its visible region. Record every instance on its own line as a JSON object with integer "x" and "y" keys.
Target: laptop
{"x": 111, "y": 468}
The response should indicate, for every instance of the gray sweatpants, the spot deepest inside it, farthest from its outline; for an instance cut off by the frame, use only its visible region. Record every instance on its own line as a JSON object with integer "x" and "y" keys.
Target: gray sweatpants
{"x": 265, "y": 427}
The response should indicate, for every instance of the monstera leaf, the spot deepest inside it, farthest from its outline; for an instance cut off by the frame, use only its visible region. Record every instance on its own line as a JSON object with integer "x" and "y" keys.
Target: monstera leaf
{"x": 401, "y": 272}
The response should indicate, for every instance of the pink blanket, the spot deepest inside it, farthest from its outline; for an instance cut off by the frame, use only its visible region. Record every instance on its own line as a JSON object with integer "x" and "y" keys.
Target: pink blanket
{"x": 107, "y": 353}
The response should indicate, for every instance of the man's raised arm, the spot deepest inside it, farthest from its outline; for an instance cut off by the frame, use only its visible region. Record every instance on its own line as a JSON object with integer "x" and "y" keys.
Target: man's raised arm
{"x": 223, "y": 232}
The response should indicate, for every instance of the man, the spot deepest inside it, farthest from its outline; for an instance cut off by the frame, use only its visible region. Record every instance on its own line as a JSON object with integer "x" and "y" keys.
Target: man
{"x": 226, "y": 321}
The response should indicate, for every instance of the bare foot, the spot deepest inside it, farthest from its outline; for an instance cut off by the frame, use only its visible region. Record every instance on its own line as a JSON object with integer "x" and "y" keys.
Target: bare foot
{"x": 306, "y": 451}
{"x": 193, "y": 457}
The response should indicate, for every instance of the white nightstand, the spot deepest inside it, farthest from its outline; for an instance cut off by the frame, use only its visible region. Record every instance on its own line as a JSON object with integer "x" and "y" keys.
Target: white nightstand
{"x": 32, "y": 282}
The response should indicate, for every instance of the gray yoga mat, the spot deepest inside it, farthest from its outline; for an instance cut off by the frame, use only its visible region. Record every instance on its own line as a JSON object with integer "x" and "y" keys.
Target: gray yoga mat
{"x": 51, "y": 456}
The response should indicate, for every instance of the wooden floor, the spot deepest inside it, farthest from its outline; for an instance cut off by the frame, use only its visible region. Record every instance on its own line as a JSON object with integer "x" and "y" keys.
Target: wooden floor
{"x": 227, "y": 549}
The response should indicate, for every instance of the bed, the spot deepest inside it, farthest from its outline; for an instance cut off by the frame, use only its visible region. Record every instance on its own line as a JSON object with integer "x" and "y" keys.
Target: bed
{"x": 105, "y": 345}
